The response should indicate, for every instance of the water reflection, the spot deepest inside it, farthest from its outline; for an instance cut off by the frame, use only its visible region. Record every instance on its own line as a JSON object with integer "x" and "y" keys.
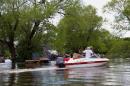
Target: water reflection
{"x": 117, "y": 74}
{"x": 88, "y": 76}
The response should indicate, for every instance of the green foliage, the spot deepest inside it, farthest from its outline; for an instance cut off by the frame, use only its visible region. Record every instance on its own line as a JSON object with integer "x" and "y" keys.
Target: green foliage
{"x": 4, "y": 51}
{"x": 121, "y": 9}
{"x": 26, "y": 48}
{"x": 25, "y": 22}
{"x": 7, "y": 54}
{"x": 120, "y": 49}
{"x": 80, "y": 28}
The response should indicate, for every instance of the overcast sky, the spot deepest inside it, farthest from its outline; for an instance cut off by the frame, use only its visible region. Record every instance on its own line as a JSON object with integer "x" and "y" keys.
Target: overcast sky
{"x": 98, "y": 4}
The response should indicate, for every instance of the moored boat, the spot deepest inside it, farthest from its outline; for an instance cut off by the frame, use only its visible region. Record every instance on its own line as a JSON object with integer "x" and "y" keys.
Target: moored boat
{"x": 85, "y": 62}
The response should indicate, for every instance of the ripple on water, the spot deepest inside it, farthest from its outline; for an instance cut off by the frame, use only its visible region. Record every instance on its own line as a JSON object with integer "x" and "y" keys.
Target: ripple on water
{"x": 117, "y": 74}
{"x": 111, "y": 84}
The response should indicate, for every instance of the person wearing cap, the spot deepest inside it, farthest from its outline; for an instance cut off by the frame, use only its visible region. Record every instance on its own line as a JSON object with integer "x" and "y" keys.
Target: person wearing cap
{"x": 88, "y": 52}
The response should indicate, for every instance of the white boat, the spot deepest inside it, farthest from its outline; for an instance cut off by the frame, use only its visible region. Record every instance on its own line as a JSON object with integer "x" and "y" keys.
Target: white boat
{"x": 6, "y": 65}
{"x": 85, "y": 62}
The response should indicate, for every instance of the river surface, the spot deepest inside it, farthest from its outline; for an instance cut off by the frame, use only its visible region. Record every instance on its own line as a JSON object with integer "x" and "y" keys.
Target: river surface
{"x": 116, "y": 74}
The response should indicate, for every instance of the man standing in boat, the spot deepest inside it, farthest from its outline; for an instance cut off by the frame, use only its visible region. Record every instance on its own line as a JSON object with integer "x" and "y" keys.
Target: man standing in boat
{"x": 88, "y": 52}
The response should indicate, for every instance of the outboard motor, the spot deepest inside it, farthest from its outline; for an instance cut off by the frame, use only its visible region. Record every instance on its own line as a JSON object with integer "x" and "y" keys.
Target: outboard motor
{"x": 60, "y": 62}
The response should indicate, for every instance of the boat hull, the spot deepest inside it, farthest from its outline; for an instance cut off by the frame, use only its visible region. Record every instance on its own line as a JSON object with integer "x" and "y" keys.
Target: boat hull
{"x": 83, "y": 62}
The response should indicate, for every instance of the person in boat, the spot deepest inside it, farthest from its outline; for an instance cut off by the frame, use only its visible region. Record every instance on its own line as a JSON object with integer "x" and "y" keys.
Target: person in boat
{"x": 60, "y": 61}
{"x": 67, "y": 55}
{"x": 88, "y": 52}
{"x": 77, "y": 54}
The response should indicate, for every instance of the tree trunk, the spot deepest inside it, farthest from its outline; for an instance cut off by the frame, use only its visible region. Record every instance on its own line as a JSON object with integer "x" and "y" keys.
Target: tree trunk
{"x": 13, "y": 54}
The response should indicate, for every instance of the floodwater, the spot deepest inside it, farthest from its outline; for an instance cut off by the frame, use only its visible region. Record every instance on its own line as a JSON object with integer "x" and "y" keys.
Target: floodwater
{"x": 116, "y": 74}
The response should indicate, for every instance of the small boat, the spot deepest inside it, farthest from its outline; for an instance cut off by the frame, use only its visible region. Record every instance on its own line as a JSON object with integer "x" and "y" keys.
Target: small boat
{"x": 85, "y": 62}
{"x": 6, "y": 65}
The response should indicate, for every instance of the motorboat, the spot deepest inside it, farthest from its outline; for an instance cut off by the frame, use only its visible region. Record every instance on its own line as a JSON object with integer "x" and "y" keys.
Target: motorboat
{"x": 85, "y": 62}
{"x": 6, "y": 65}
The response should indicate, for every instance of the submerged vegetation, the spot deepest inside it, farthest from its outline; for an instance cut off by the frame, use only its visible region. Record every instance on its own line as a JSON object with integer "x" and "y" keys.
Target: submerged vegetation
{"x": 25, "y": 28}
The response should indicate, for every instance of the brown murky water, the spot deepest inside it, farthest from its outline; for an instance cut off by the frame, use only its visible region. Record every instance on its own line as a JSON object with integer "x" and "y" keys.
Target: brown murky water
{"x": 116, "y": 74}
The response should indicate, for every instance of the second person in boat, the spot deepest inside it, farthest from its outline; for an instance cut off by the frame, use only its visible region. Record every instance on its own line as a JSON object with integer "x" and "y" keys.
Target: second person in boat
{"x": 88, "y": 52}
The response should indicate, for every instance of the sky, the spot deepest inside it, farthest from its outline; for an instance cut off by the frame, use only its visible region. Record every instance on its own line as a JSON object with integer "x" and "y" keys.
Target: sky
{"x": 98, "y": 4}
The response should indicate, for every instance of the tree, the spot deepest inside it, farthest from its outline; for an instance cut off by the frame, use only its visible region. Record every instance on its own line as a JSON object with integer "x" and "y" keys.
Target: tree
{"x": 78, "y": 27}
{"x": 24, "y": 17}
{"x": 42, "y": 38}
{"x": 37, "y": 27}
{"x": 8, "y": 25}
{"x": 120, "y": 49}
{"x": 121, "y": 9}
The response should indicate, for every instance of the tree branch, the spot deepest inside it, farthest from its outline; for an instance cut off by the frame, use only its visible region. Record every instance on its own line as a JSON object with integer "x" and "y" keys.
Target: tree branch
{"x": 21, "y": 4}
{"x": 128, "y": 18}
{"x": 35, "y": 28}
{"x": 16, "y": 24}
{"x": 63, "y": 13}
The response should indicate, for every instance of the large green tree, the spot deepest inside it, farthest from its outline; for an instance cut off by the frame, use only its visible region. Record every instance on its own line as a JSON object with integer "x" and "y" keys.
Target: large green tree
{"x": 9, "y": 19}
{"x": 23, "y": 20}
{"x": 79, "y": 28}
